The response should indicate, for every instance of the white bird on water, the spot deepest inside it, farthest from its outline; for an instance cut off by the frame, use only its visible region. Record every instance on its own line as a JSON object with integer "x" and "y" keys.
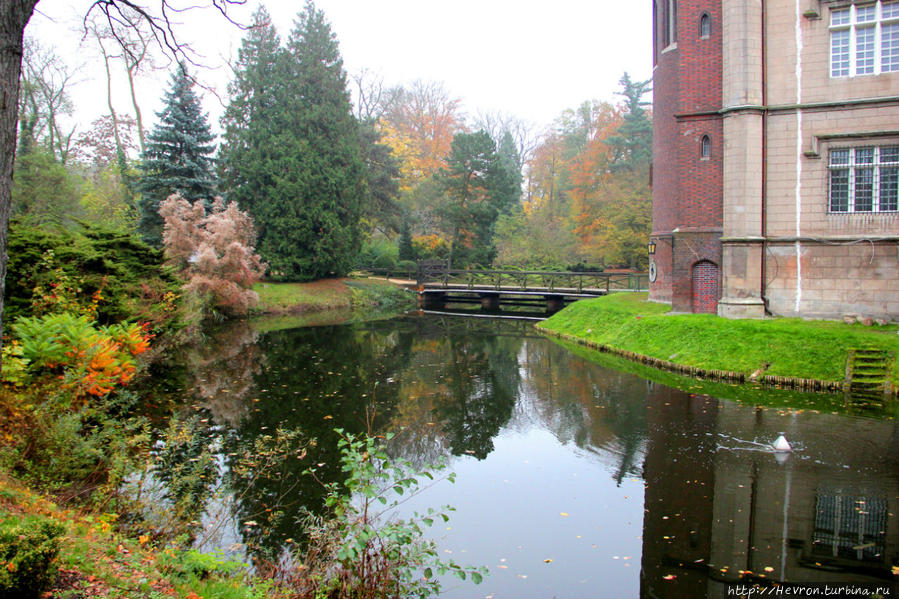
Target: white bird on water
{"x": 781, "y": 444}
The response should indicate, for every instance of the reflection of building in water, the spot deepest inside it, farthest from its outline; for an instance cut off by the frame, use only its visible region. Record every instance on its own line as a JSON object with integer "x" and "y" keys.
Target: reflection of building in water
{"x": 679, "y": 500}
{"x": 827, "y": 513}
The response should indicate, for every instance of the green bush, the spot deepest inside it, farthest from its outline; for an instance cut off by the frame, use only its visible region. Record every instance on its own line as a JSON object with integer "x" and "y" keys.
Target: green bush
{"x": 28, "y": 551}
{"x": 375, "y": 249}
{"x": 108, "y": 275}
{"x": 361, "y": 549}
{"x": 385, "y": 261}
{"x": 409, "y": 266}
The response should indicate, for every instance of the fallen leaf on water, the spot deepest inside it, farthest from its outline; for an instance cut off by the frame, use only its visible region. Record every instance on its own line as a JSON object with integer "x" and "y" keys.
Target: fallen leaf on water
{"x": 547, "y": 561}
{"x": 563, "y": 514}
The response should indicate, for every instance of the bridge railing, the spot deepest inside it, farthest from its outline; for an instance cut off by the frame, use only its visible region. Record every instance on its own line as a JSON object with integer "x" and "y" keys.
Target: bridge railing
{"x": 533, "y": 280}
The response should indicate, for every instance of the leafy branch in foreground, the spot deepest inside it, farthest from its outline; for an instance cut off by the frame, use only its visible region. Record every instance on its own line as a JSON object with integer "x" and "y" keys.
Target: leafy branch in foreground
{"x": 363, "y": 550}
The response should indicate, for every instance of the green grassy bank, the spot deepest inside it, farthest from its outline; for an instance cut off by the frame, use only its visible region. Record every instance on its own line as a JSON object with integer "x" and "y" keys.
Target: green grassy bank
{"x": 331, "y": 294}
{"x": 788, "y": 346}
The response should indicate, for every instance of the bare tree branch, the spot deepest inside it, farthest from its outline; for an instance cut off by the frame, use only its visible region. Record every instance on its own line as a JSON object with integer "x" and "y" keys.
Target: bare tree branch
{"x": 127, "y": 14}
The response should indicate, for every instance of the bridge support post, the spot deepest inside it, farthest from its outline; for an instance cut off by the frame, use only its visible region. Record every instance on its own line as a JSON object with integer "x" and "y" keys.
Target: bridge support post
{"x": 432, "y": 301}
{"x": 554, "y": 303}
{"x": 490, "y": 301}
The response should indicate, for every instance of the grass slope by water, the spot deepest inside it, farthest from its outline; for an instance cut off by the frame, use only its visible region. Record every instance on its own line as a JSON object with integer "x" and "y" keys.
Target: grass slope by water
{"x": 789, "y": 346}
{"x": 330, "y": 294}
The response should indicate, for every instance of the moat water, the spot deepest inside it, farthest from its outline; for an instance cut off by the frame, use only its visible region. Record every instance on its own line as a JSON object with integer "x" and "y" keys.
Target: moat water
{"x": 574, "y": 479}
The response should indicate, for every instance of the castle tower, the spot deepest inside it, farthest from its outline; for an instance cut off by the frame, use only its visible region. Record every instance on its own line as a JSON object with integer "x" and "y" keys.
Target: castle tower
{"x": 776, "y": 157}
{"x": 688, "y": 154}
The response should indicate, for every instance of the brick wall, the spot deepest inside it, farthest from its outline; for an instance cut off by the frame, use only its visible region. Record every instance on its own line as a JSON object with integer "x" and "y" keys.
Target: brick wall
{"x": 687, "y": 188}
{"x": 690, "y": 248}
{"x": 705, "y": 288}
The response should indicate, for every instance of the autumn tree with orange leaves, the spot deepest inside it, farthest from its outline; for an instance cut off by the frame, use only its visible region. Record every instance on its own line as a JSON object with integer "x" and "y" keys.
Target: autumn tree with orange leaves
{"x": 588, "y": 198}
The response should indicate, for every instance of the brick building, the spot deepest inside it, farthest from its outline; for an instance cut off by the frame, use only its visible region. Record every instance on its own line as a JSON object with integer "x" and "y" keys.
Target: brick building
{"x": 776, "y": 157}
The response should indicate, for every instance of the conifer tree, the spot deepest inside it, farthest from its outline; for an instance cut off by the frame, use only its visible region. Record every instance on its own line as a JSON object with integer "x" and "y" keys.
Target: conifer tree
{"x": 405, "y": 248}
{"x": 477, "y": 187}
{"x": 301, "y": 174}
{"x": 633, "y": 142}
{"x": 178, "y": 158}
{"x": 251, "y": 119}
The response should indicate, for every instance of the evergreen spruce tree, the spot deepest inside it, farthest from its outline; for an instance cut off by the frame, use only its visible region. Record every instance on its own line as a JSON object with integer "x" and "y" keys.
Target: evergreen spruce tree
{"x": 251, "y": 120}
{"x": 178, "y": 158}
{"x": 309, "y": 188}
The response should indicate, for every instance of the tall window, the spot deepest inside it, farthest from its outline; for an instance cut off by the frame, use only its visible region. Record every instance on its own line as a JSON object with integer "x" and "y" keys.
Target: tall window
{"x": 864, "y": 40}
{"x": 705, "y": 148}
{"x": 705, "y": 25}
{"x": 864, "y": 179}
{"x": 655, "y": 32}
{"x": 669, "y": 24}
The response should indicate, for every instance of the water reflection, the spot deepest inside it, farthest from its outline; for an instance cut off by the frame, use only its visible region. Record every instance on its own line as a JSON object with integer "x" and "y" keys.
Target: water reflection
{"x": 574, "y": 480}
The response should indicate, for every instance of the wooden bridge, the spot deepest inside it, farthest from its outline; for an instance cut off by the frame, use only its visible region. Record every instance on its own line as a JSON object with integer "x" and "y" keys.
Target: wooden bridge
{"x": 438, "y": 285}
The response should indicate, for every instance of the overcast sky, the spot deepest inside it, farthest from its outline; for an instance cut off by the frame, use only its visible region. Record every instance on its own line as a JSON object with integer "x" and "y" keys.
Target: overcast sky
{"x": 527, "y": 58}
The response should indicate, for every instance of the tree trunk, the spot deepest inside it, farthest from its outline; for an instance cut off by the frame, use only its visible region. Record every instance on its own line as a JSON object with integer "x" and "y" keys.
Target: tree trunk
{"x": 14, "y": 15}
{"x": 120, "y": 152}
{"x": 137, "y": 113}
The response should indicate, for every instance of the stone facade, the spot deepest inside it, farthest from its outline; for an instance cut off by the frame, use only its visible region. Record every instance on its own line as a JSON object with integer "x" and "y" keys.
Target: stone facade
{"x": 760, "y": 87}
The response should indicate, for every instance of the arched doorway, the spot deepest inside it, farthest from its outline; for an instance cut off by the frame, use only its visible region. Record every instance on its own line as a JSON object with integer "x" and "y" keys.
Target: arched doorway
{"x": 705, "y": 287}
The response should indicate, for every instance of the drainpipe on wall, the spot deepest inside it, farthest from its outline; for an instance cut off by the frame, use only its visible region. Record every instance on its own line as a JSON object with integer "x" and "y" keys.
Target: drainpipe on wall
{"x": 798, "y": 304}
{"x": 763, "y": 284}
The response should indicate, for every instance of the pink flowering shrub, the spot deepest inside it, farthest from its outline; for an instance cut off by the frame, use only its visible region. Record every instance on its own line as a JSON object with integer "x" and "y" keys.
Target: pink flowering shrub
{"x": 215, "y": 252}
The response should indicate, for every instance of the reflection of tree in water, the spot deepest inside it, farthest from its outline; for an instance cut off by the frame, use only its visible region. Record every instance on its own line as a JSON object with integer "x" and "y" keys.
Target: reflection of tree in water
{"x": 459, "y": 390}
{"x": 223, "y": 370}
{"x": 593, "y": 407}
{"x": 314, "y": 380}
{"x": 482, "y": 377}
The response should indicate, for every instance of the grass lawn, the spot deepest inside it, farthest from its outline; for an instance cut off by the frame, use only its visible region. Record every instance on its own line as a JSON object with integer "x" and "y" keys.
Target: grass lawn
{"x": 793, "y": 347}
{"x": 328, "y": 294}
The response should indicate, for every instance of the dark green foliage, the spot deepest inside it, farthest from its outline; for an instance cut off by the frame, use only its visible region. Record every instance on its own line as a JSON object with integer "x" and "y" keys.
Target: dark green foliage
{"x": 297, "y": 164}
{"x": 408, "y": 267}
{"x": 633, "y": 142}
{"x": 478, "y": 186}
{"x": 510, "y": 162}
{"x": 382, "y": 179}
{"x": 178, "y": 158}
{"x": 130, "y": 275}
{"x": 59, "y": 446}
{"x": 28, "y": 551}
{"x": 44, "y": 191}
{"x": 406, "y": 249}
{"x": 246, "y": 160}
{"x": 385, "y": 261}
